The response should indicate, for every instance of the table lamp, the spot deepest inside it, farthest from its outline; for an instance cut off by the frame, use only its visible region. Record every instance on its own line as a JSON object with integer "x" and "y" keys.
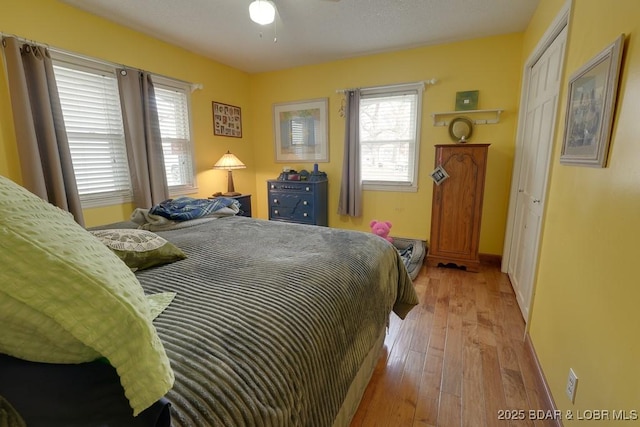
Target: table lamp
{"x": 229, "y": 162}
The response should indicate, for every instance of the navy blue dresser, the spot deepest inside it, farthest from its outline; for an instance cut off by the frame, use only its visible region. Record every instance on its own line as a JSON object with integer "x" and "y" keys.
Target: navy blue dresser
{"x": 304, "y": 202}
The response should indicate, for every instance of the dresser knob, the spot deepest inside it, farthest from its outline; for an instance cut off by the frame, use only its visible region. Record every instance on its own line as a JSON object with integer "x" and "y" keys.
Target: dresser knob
{"x": 275, "y": 200}
{"x": 273, "y": 186}
{"x": 305, "y": 203}
{"x": 305, "y": 214}
{"x": 307, "y": 189}
{"x": 276, "y": 212}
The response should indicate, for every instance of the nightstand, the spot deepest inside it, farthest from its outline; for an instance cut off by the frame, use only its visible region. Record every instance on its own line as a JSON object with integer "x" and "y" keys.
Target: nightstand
{"x": 245, "y": 203}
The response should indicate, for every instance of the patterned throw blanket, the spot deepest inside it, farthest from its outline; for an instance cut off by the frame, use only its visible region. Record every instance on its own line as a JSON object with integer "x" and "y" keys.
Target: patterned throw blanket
{"x": 183, "y": 212}
{"x": 187, "y": 208}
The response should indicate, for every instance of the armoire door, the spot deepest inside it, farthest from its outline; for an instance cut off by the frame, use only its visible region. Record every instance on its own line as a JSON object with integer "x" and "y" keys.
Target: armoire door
{"x": 456, "y": 211}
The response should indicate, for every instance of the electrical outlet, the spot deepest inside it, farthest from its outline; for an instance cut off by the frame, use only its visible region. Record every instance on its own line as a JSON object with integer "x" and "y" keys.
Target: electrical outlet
{"x": 572, "y": 384}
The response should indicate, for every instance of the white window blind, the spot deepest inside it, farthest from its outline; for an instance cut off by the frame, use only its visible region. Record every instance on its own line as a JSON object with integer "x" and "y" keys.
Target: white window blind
{"x": 173, "y": 113}
{"x": 93, "y": 120}
{"x": 389, "y": 137}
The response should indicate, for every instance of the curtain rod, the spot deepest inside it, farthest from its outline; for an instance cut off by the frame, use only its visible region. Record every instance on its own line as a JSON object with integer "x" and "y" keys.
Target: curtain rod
{"x": 194, "y": 86}
{"x": 396, "y": 86}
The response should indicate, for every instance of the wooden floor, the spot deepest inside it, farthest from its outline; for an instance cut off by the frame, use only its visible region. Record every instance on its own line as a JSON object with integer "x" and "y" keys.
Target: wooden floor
{"x": 458, "y": 359}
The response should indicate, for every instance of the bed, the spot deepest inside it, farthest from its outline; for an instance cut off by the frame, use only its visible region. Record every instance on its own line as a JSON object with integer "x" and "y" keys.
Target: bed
{"x": 272, "y": 324}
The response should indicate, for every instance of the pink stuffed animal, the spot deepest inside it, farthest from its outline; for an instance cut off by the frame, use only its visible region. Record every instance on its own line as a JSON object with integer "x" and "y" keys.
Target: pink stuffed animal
{"x": 381, "y": 228}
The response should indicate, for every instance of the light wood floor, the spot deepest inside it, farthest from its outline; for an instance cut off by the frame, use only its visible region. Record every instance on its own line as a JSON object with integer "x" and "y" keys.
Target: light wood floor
{"x": 458, "y": 359}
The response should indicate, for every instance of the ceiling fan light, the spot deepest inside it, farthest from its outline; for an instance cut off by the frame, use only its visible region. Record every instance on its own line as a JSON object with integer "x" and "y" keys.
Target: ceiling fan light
{"x": 262, "y": 12}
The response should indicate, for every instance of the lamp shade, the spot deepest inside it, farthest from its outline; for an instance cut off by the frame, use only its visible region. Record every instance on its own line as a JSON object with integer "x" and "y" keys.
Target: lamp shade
{"x": 229, "y": 161}
{"x": 262, "y": 12}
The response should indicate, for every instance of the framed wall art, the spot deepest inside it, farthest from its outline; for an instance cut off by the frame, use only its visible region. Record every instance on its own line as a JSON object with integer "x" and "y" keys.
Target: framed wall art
{"x": 467, "y": 100}
{"x": 301, "y": 131}
{"x": 590, "y": 108}
{"x": 227, "y": 120}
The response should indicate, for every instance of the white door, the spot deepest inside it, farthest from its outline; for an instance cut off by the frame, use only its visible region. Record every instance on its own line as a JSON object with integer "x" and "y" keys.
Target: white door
{"x": 541, "y": 107}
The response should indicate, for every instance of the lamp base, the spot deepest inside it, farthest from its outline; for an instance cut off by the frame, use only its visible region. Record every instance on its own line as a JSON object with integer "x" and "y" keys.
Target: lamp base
{"x": 231, "y": 194}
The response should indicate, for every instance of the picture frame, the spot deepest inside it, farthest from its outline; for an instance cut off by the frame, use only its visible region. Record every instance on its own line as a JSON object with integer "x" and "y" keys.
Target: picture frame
{"x": 227, "y": 120}
{"x": 467, "y": 100}
{"x": 591, "y": 101}
{"x": 301, "y": 131}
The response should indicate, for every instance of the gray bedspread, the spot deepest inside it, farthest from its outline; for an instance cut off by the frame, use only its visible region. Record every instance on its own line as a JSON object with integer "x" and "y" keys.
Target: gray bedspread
{"x": 272, "y": 320}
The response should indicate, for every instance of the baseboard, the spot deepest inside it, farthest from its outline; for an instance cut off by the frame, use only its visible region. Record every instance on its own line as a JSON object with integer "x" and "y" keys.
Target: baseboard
{"x": 490, "y": 259}
{"x": 542, "y": 382}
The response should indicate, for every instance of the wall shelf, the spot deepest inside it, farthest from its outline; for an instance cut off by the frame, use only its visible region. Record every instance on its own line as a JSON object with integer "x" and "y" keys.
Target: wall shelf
{"x": 495, "y": 116}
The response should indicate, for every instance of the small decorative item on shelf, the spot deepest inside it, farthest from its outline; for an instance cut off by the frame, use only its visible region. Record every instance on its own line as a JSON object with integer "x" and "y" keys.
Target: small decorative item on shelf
{"x": 460, "y": 129}
{"x": 467, "y": 100}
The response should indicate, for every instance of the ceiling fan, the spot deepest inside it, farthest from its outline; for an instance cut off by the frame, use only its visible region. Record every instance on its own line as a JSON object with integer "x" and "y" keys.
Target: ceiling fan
{"x": 263, "y": 12}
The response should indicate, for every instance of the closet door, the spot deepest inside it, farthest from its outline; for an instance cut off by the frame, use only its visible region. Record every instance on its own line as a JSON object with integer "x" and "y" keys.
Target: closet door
{"x": 542, "y": 105}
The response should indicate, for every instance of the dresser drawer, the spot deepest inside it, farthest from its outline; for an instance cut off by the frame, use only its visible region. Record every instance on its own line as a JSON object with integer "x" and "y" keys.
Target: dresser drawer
{"x": 292, "y": 187}
{"x": 293, "y": 207}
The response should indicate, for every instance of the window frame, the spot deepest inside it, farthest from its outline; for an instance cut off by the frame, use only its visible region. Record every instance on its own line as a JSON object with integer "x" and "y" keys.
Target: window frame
{"x": 418, "y": 90}
{"x": 87, "y": 64}
{"x": 168, "y": 83}
{"x": 75, "y": 62}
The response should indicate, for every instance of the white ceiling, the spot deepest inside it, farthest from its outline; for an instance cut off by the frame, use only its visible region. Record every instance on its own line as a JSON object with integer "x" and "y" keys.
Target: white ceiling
{"x": 311, "y": 31}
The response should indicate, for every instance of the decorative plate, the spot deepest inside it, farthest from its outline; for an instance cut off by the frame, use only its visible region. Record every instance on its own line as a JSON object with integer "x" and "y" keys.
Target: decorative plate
{"x": 460, "y": 129}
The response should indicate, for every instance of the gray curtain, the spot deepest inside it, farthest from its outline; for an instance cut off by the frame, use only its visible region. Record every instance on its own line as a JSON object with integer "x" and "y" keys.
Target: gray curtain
{"x": 143, "y": 139}
{"x": 351, "y": 188}
{"x": 43, "y": 147}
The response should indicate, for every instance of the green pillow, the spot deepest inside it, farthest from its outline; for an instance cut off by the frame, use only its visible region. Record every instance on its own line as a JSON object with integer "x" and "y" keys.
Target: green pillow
{"x": 66, "y": 298}
{"x": 139, "y": 249}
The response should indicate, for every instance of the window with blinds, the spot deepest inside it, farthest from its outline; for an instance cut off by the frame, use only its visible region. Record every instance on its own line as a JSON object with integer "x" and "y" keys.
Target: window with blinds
{"x": 93, "y": 120}
{"x": 389, "y": 137}
{"x": 173, "y": 113}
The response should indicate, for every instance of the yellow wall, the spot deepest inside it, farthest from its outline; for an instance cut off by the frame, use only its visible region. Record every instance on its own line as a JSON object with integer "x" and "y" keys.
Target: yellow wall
{"x": 64, "y": 27}
{"x": 585, "y": 312}
{"x": 490, "y": 65}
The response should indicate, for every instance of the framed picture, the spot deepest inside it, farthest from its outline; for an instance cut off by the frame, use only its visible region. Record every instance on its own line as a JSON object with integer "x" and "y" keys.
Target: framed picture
{"x": 467, "y": 100}
{"x": 227, "y": 120}
{"x": 301, "y": 131}
{"x": 590, "y": 108}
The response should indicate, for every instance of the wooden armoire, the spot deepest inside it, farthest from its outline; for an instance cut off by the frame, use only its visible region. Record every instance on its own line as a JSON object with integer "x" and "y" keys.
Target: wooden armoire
{"x": 456, "y": 210}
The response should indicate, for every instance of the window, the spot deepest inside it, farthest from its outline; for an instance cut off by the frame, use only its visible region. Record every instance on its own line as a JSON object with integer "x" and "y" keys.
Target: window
{"x": 172, "y": 99}
{"x": 389, "y": 137}
{"x": 93, "y": 119}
